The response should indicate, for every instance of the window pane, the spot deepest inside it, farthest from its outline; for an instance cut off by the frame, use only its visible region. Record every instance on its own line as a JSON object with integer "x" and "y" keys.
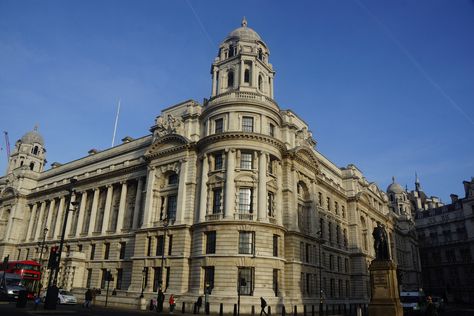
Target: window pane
{"x": 216, "y": 207}
{"x": 172, "y": 204}
{"x": 173, "y": 179}
{"x": 211, "y": 242}
{"x": 245, "y": 198}
{"x": 247, "y": 124}
{"x": 218, "y": 161}
{"x": 246, "y": 243}
{"x": 245, "y": 281}
{"x": 219, "y": 125}
{"x": 246, "y": 161}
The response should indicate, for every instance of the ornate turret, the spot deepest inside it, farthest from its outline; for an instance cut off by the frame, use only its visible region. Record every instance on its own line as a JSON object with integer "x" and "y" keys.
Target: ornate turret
{"x": 29, "y": 153}
{"x": 242, "y": 64}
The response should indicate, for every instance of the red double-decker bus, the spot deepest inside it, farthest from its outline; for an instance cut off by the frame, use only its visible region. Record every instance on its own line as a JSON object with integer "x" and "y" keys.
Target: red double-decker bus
{"x": 29, "y": 272}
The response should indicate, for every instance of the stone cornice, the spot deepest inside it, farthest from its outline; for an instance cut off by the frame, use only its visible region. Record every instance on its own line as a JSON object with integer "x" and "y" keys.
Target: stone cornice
{"x": 211, "y": 139}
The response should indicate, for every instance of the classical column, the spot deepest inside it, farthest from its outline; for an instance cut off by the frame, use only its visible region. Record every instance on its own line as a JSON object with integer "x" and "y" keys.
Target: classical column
{"x": 82, "y": 213}
{"x": 203, "y": 193}
{"x": 182, "y": 192}
{"x": 279, "y": 193}
{"x": 214, "y": 79}
{"x": 67, "y": 208}
{"x": 229, "y": 197}
{"x": 121, "y": 212}
{"x": 95, "y": 205}
{"x": 271, "y": 88}
{"x": 147, "y": 216}
{"x": 138, "y": 203}
{"x": 40, "y": 226}
{"x": 52, "y": 204}
{"x": 59, "y": 219}
{"x": 31, "y": 223}
{"x": 242, "y": 71}
{"x": 107, "y": 210}
{"x": 262, "y": 187}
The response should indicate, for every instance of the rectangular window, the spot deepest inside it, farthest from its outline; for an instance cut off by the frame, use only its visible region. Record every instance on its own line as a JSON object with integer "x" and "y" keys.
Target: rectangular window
{"x": 245, "y": 281}
{"x": 307, "y": 253}
{"x": 217, "y": 201}
{"x": 247, "y": 124}
{"x": 102, "y": 280}
{"x": 320, "y": 199}
{"x": 301, "y": 251}
{"x": 331, "y": 262}
{"x": 270, "y": 204}
{"x": 118, "y": 285}
{"x": 245, "y": 200}
{"x": 148, "y": 248}
{"x": 246, "y": 160}
{"x": 343, "y": 211}
{"x": 330, "y": 232}
{"x": 106, "y": 250}
{"x": 211, "y": 242}
{"x": 173, "y": 179}
{"x": 275, "y": 245}
{"x": 275, "y": 281}
{"x": 89, "y": 278}
{"x": 171, "y": 208}
{"x": 218, "y": 161}
{"x": 219, "y": 125}
{"x": 123, "y": 246}
{"x": 159, "y": 245}
{"x": 92, "y": 252}
{"x": 321, "y": 228}
{"x": 333, "y": 285}
{"x": 170, "y": 245}
{"x": 339, "y": 264}
{"x": 168, "y": 272}
{"x": 246, "y": 243}
{"x": 157, "y": 279}
{"x": 336, "y": 208}
{"x": 346, "y": 265}
{"x": 272, "y": 130}
{"x": 145, "y": 277}
{"x": 329, "y": 203}
{"x": 208, "y": 279}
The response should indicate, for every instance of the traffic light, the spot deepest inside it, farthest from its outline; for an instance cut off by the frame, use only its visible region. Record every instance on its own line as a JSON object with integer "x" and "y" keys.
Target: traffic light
{"x": 53, "y": 261}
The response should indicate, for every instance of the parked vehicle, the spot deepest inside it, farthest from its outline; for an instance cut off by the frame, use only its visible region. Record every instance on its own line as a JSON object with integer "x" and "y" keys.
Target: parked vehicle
{"x": 28, "y": 271}
{"x": 64, "y": 297}
{"x": 413, "y": 303}
{"x": 10, "y": 286}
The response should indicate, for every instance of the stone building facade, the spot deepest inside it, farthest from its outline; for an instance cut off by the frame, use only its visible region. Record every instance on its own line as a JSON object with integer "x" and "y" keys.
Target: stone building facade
{"x": 446, "y": 237}
{"x": 232, "y": 189}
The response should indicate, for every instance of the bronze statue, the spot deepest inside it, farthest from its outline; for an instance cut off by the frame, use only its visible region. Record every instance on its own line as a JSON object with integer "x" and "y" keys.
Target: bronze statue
{"x": 380, "y": 243}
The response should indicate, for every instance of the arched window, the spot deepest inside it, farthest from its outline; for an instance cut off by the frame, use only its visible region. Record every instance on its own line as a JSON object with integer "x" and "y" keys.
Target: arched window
{"x": 247, "y": 75}
{"x": 231, "y": 51}
{"x": 260, "y": 54}
{"x": 260, "y": 83}
{"x": 32, "y": 166}
{"x": 34, "y": 151}
{"x": 230, "y": 79}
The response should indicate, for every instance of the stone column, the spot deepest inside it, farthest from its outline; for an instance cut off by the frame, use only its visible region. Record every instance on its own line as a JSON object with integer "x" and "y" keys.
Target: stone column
{"x": 203, "y": 193}
{"x": 182, "y": 192}
{"x": 40, "y": 225}
{"x": 148, "y": 213}
{"x": 95, "y": 205}
{"x": 59, "y": 220}
{"x": 138, "y": 203}
{"x": 30, "y": 223}
{"x": 52, "y": 205}
{"x": 229, "y": 198}
{"x": 108, "y": 208}
{"x": 242, "y": 71}
{"x": 123, "y": 204}
{"x": 271, "y": 87}
{"x": 279, "y": 194}
{"x": 214, "y": 81}
{"x": 82, "y": 213}
{"x": 67, "y": 208}
{"x": 262, "y": 187}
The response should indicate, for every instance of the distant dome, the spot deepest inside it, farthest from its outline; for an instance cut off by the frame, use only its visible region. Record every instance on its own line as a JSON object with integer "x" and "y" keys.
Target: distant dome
{"x": 244, "y": 33}
{"x": 395, "y": 187}
{"x": 33, "y": 137}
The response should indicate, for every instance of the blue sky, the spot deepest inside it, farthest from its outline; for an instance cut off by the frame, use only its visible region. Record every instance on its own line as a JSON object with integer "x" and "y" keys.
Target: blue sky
{"x": 386, "y": 85}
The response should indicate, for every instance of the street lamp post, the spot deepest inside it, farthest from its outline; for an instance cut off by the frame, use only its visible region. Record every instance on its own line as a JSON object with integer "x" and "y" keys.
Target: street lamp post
{"x": 45, "y": 231}
{"x": 321, "y": 297}
{"x": 52, "y": 294}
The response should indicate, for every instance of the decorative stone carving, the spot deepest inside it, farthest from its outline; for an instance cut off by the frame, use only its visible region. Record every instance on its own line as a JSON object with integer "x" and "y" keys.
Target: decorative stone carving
{"x": 168, "y": 125}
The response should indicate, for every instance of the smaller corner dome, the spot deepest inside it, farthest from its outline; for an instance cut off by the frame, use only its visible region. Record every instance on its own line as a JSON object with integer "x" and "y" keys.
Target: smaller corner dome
{"x": 395, "y": 187}
{"x": 33, "y": 137}
{"x": 244, "y": 33}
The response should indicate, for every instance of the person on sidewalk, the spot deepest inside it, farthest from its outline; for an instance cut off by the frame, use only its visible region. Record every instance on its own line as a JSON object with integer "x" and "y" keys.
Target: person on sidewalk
{"x": 160, "y": 300}
{"x": 172, "y": 303}
{"x": 198, "y": 304}
{"x": 430, "y": 307}
{"x": 263, "y": 304}
{"x": 88, "y": 299}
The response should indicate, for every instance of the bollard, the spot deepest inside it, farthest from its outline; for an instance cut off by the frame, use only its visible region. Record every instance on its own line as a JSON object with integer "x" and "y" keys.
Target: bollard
{"x": 269, "y": 310}
{"x": 283, "y": 311}
{"x": 295, "y": 311}
{"x": 183, "y": 308}
{"x": 304, "y": 310}
{"x": 221, "y": 309}
{"x": 235, "y": 309}
{"x": 253, "y": 310}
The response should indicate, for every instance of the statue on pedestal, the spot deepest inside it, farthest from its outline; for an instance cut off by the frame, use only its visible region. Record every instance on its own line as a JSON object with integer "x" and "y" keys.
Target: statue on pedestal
{"x": 380, "y": 243}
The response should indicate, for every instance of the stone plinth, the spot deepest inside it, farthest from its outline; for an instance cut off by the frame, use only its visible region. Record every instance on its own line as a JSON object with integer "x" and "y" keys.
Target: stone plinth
{"x": 385, "y": 296}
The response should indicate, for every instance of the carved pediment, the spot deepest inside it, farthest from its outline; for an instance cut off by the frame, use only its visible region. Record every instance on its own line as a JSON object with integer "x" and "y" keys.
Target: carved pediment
{"x": 166, "y": 144}
{"x": 305, "y": 156}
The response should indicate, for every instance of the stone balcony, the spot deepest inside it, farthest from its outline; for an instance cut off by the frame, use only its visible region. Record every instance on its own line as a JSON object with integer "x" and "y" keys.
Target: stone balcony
{"x": 242, "y": 96}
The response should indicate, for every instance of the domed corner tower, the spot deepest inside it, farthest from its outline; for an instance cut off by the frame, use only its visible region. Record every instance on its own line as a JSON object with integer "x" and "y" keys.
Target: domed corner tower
{"x": 398, "y": 199}
{"x": 242, "y": 64}
{"x": 29, "y": 153}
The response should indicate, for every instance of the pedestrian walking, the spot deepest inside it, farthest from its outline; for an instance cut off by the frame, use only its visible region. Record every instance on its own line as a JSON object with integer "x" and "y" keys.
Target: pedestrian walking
{"x": 87, "y": 299}
{"x": 159, "y": 301}
{"x": 263, "y": 304}
{"x": 172, "y": 303}
{"x": 198, "y": 304}
{"x": 430, "y": 308}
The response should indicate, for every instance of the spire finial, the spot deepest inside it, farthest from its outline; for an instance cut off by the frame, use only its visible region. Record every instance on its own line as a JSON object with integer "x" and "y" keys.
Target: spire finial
{"x": 244, "y": 22}
{"x": 393, "y": 179}
{"x": 416, "y": 178}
